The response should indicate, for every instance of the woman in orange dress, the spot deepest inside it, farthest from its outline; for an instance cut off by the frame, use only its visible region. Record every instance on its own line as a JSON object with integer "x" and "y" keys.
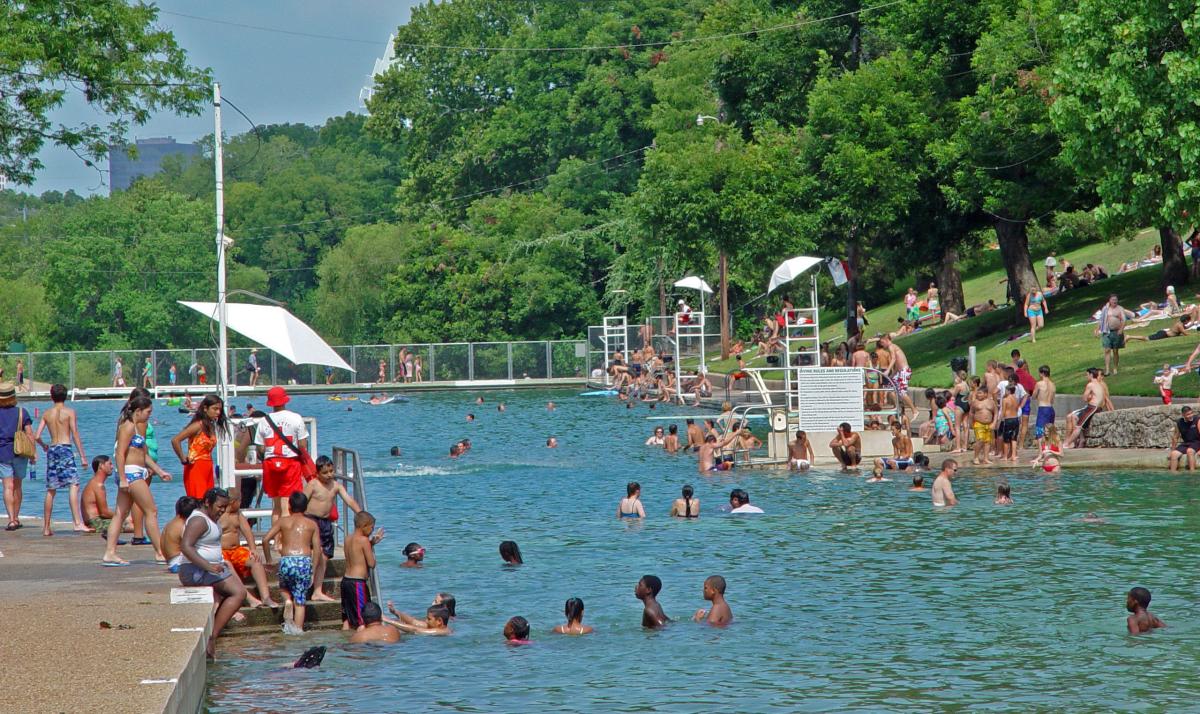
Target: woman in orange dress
{"x": 201, "y": 433}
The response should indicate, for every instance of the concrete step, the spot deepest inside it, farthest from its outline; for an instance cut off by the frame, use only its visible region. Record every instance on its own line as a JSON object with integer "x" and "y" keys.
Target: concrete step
{"x": 333, "y": 588}
{"x": 335, "y": 569}
{"x": 261, "y": 620}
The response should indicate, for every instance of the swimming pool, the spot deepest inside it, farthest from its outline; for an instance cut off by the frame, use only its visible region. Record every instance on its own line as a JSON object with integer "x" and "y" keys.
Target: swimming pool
{"x": 846, "y": 595}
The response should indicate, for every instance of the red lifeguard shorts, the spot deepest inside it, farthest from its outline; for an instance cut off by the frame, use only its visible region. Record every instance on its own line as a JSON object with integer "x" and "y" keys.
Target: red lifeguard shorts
{"x": 281, "y": 477}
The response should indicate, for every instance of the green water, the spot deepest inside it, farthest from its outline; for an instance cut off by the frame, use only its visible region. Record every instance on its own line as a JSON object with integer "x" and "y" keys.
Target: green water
{"x": 847, "y": 595}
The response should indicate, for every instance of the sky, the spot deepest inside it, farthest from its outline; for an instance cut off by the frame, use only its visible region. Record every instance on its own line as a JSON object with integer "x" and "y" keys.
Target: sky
{"x": 273, "y": 77}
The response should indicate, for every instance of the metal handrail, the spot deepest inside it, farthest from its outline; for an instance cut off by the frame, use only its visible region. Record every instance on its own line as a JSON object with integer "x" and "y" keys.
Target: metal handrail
{"x": 347, "y": 468}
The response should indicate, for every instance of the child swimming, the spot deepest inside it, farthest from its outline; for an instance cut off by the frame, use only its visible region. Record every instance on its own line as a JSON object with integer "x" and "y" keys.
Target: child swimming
{"x": 647, "y": 591}
{"x": 415, "y": 554}
{"x": 516, "y": 631}
{"x": 574, "y": 612}
{"x": 510, "y": 553}
{"x": 720, "y": 615}
{"x": 1141, "y": 620}
{"x": 1003, "y": 495}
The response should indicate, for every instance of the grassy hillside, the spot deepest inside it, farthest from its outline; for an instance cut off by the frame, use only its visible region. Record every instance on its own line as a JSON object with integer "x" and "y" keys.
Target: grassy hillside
{"x": 1065, "y": 345}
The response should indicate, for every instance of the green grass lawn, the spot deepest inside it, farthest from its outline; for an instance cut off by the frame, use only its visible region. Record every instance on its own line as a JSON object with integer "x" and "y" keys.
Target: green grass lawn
{"x": 1067, "y": 347}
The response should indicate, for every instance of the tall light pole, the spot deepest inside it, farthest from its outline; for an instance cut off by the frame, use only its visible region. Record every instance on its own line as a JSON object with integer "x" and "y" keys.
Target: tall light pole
{"x": 225, "y": 460}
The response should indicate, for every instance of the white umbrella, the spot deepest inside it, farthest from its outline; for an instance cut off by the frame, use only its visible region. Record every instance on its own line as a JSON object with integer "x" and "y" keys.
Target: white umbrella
{"x": 791, "y": 269}
{"x": 276, "y": 329}
{"x": 695, "y": 282}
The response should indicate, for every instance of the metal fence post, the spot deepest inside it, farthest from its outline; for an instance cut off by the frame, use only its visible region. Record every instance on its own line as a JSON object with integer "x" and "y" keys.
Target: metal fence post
{"x": 71, "y": 369}
{"x": 432, "y": 363}
{"x": 154, "y": 367}
{"x": 510, "y": 372}
{"x": 353, "y": 361}
{"x": 471, "y": 361}
{"x": 549, "y": 360}
{"x": 392, "y": 361}
{"x": 30, "y": 376}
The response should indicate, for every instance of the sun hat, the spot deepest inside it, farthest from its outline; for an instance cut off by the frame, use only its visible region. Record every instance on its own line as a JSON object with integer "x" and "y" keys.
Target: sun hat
{"x": 7, "y": 390}
{"x": 277, "y": 397}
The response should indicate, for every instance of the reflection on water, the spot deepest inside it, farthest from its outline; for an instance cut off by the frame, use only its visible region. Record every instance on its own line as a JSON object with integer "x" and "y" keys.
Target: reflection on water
{"x": 846, "y": 595}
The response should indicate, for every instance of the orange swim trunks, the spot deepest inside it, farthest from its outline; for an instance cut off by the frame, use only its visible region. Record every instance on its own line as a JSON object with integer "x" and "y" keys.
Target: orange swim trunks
{"x": 239, "y": 558}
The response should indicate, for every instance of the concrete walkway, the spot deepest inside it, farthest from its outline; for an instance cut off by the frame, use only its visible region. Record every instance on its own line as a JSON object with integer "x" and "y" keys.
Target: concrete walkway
{"x": 57, "y": 655}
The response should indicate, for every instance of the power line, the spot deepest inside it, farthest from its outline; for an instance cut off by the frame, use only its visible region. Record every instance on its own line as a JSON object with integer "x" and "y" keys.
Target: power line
{"x": 253, "y": 128}
{"x": 582, "y": 48}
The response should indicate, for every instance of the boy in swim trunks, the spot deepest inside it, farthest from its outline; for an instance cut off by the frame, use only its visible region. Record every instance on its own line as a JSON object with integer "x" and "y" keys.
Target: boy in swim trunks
{"x": 235, "y": 527}
{"x": 322, "y": 493}
{"x": 374, "y": 629}
{"x": 360, "y": 558}
{"x": 1043, "y": 393}
{"x": 1010, "y": 422}
{"x": 436, "y": 622}
{"x": 800, "y": 453}
{"x": 61, "y": 470}
{"x": 299, "y": 539}
{"x": 172, "y": 533}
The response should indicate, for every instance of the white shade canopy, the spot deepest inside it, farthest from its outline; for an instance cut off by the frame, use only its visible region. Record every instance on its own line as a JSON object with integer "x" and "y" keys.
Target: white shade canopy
{"x": 694, "y": 282}
{"x": 276, "y": 329}
{"x": 791, "y": 269}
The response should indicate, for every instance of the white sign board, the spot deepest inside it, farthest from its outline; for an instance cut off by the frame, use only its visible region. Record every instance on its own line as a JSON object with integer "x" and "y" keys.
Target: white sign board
{"x": 191, "y": 596}
{"x": 829, "y": 396}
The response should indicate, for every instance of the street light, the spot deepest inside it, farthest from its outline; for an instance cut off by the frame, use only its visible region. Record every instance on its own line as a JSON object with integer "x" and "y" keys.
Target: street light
{"x": 701, "y": 117}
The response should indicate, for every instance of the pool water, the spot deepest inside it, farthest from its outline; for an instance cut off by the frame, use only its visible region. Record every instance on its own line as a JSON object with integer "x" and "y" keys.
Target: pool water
{"x": 846, "y": 595}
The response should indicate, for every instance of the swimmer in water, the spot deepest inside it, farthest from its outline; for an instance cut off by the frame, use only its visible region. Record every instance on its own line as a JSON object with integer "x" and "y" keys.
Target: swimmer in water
{"x": 374, "y": 628}
{"x": 516, "y": 631}
{"x": 1003, "y": 495}
{"x": 918, "y": 483}
{"x": 574, "y": 612}
{"x": 647, "y": 591}
{"x": 395, "y": 451}
{"x": 470, "y": 417}
{"x": 436, "y": 622}
{"x": 455, "y": 451}
{"x": 686, "y": 507}
{"x": 1141, "y": 620}
{"x": 1091, "y": 517}
{"x": 943, "y": 493}
{"x": 510, "y": 553}
{"x": 415, "y": 554}
{"x": 720, "y": 615}
{"x": 877, "y": 477}
{"x": 631, "y": 505}
{"x": 479, "y": 400}
{"x": 551, "y": 443}
{"x": 447, "y": 601}
{"x": 500, "y": 407}
{"x": 550, "y": 406}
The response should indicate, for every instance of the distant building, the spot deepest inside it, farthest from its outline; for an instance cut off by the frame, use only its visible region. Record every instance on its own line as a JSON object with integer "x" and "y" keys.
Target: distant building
{"x": 382, "y": 64}
{"x": 124, "y": 169}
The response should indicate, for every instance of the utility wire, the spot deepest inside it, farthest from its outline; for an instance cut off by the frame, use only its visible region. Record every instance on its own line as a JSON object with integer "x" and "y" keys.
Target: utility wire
{"x": 582, "y": 48}
{"x": 254, "y": 128}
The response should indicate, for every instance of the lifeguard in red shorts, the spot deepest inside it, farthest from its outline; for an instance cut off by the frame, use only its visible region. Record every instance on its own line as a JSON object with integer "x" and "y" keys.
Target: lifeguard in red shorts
{"x": 278, "y": 435}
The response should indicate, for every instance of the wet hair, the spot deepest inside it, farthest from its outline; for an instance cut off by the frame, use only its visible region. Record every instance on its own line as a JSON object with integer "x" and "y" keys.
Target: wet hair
{"x": 653, "y": 583}
{"x": 322, "y": 462}
{"x": 519, "y": 626}
{"x": 574, "y": 610}
{"x": 510, "y": 552}
{"x": 185, "y": 505}
{"x": 470, "y": 416}
{"x": 297, "y": 502}
{"x": 363, "y": 518}
{"x": 448, "y": 602}
{"x": 98, "y": 462}
{"x": 717, "y": 582}
{"x": 918, "y": 480}
{"x": 1141, "y": 596}
{"x": 410, "y": 549}
{"x": 549, "y": 439}
{"x": 844, "y": 426}
{"x": 690, "y": 421}
{"x": 1003, "y": 489}
{"x": 632, "y": 487}
{"x": 371, "y": 613}
{"x": 212, "y": 427}
{"x": 1044, "y": 370}
{"x": 58, "y": 393}
{"x": 1093, "y": 372}
{"x": 688, "y": 492}
{"x": 673, "y": 429}
{"x": 921, "y": 460}
{"x": 395, "y": 451}
{"x": 710, "y": 439}
{"x": 439, "y": 612}
{"x": 742, "y": 496}
{"x": 212, "y": 494}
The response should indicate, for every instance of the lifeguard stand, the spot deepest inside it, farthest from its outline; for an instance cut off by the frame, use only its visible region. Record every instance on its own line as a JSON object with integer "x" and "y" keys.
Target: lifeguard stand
{"x": 615, "y": 338}
{"x": 801, "y": 348}
{"x": 689, "y": 341}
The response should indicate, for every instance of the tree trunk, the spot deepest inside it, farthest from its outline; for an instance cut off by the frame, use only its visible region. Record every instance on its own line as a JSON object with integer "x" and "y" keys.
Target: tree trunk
{"x": 1175, "y": 269}
{"x": 1014, "y": 250}
{"x": 950, "y": 289}
{"x": 852, "y": 289}
{"x": 724, "y": 306}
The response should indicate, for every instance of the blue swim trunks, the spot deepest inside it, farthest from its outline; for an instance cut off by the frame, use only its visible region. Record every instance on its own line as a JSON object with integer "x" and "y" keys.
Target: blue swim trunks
{"x": 1045, "y": 417}
{"x": 295, "y": 576}
{"x": 61, "y": 470}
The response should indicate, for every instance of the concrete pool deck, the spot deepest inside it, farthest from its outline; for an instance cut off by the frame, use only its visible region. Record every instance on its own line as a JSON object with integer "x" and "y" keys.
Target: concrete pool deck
{"x": 59, "y": 658}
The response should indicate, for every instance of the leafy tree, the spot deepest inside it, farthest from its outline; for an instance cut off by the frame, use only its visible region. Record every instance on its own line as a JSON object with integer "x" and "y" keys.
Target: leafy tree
{"x": 1127, "y": 79}
{"x": 111, "y": 51}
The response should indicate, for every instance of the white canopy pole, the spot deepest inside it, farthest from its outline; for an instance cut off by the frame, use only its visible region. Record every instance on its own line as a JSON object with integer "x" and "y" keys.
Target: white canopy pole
{"x": 225, "y": 456}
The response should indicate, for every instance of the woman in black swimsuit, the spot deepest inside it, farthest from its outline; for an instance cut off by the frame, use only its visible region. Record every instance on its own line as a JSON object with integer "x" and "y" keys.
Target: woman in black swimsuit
{"x": 686, "y": 507}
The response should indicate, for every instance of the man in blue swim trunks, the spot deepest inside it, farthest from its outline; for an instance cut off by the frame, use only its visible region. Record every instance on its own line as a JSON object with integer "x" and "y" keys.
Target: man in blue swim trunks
{"x": 1043, "y": 394}
{"x": 61, "y": 468}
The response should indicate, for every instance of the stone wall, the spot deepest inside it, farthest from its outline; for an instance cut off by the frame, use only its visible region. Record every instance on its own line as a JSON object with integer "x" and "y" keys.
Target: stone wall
{"x": 1142, "y": 428}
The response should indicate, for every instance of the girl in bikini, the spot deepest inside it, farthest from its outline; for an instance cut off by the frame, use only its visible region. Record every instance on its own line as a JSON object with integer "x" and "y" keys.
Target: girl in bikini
{"x": 1051, "y": 455}
{"x": 686, "y": 507}
{"x": 1036, "y": 309}
{"x": 631, "y": 505}
{"x": 134, "y": 468}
